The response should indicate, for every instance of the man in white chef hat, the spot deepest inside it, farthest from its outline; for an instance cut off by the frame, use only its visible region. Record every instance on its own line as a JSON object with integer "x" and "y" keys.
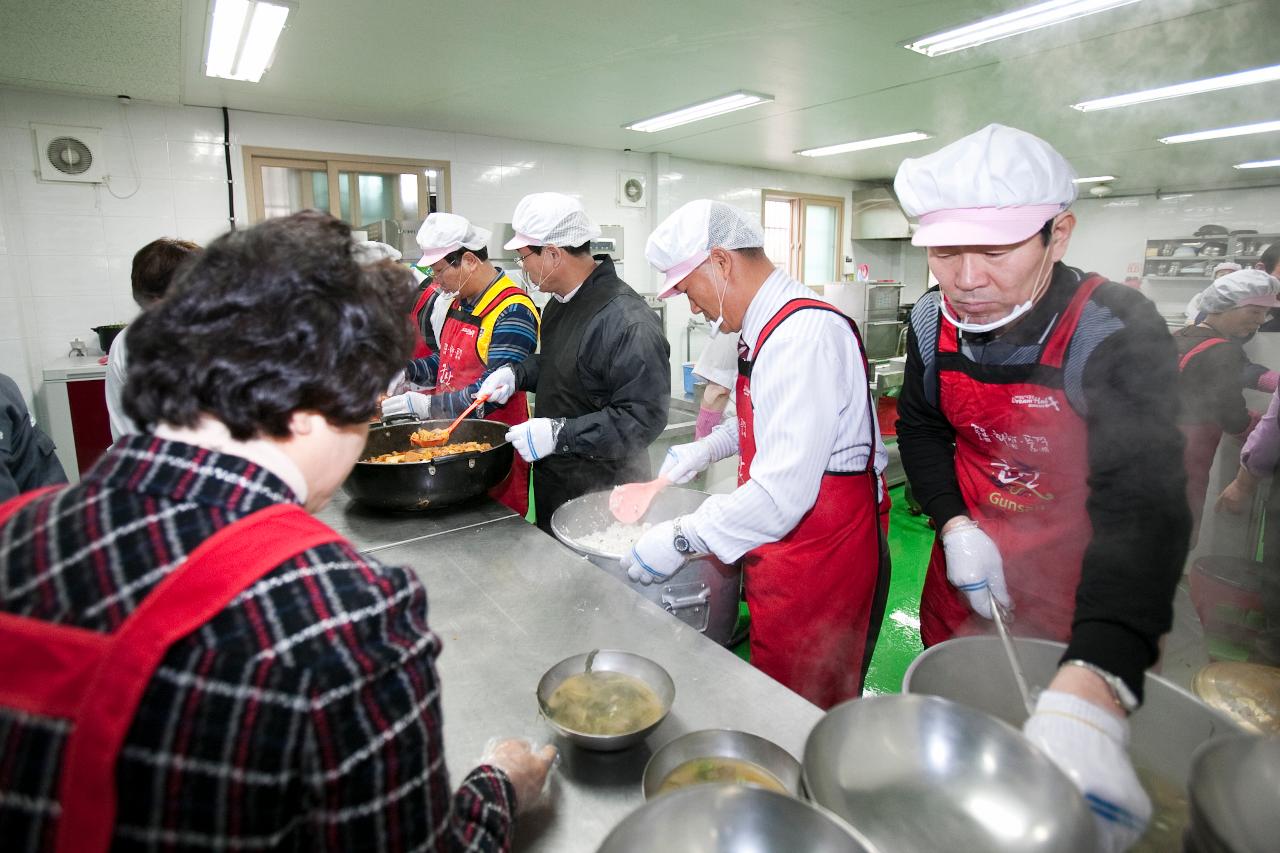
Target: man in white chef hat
{"x": 804, "y": 518}
{"x": 492, "y": 323}
{"x": 1038, "y": 429}
{"x": 603, "y": 375}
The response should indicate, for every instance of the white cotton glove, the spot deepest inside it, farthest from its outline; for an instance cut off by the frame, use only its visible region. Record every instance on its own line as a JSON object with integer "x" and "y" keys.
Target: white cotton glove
{"x": 409, "y": 403}
{"x": 535, "y": 438}
{"x": 499, "y": 385}
{"x": 974, "y": 566}
{"x": 654, "y": 557}
{"x": 397, "y": 385}
{"x": 1090, "y": 745}
{"x": 685, "y": 461}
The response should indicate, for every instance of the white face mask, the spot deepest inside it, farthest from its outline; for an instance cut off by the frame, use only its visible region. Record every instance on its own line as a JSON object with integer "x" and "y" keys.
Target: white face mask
{"x": 719, "y": 320}
{"x": 1018, "y": 311}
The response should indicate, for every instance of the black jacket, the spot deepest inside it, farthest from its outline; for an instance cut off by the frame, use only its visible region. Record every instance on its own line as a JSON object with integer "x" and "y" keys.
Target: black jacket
{"x": 27, "y": 460}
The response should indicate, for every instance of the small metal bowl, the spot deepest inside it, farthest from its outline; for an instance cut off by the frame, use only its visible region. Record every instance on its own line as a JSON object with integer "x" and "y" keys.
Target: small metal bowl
{"x": 722, "y": 743}
{"x": 608, "y": 660}
{"x": 731, "y": 819}
{"x": 1234, "y": 781}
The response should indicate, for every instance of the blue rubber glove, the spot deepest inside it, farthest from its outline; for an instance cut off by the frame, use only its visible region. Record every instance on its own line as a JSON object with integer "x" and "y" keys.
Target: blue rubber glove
{"x": 654, "y": 557}
{"x": 535, "y": 438}
{"x": 1090, "y": 745}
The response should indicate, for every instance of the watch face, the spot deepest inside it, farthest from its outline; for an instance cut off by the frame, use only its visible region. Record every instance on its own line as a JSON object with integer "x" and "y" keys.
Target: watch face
{"x": 682, "y": 544}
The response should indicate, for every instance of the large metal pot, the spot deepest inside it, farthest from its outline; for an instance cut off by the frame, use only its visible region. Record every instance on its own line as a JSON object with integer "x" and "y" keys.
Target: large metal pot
{"x": 1163, "y": 735}
{"x": 703, "y": 594}
{"x": 427, "y": 485}
{"x": 732, "y": 819}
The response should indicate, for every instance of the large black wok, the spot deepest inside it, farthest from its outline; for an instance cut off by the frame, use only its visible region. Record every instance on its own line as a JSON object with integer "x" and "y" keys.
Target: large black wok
{"x": 426, "y": 485}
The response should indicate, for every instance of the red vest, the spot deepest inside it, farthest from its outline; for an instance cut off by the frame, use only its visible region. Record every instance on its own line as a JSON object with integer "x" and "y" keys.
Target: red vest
{"x": 816, "y": 596}
{"x": 96, "y": 680}
{"x": 1022, "y": 464}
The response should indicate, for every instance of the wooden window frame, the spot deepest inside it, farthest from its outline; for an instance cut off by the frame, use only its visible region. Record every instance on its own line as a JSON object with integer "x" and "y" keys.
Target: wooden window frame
{"x": 799, "y": 208}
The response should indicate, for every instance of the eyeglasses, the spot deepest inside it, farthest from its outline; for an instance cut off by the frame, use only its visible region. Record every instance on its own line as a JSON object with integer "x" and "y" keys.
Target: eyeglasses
{"x": 522, "y": 258}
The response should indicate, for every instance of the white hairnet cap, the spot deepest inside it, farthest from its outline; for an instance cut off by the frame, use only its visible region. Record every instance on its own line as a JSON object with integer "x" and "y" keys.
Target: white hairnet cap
{"x": 444, "y": 233}
{"x": 685, "y": 238}
{"x": 1243, "y": 287}
{"x": 551, "y": 219}
{"x": 371, "y": 251}
{"x": 992, "y": 188}
{"x": 1229, "y": 266}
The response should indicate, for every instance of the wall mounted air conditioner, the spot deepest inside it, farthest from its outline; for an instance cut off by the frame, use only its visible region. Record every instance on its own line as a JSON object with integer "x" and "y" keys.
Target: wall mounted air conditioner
{"x": 71, "y": 154}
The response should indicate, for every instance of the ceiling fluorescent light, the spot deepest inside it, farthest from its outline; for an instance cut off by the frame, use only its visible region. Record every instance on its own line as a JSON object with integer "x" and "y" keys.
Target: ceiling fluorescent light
{"x": 864, "y": 144}
{"x": 1258, "y": 164}
{"x": 1011, "y": 24}
{"x": 1223, "y": 132}
{"x": 1195, "y": 87}
{"x": 697, "y": 112}
{"x": 1096, "y": 179}
{"x": 243, "y": 36}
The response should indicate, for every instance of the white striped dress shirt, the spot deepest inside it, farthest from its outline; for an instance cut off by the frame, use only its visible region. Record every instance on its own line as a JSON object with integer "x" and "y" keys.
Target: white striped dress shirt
{"x": 809, "y": 395}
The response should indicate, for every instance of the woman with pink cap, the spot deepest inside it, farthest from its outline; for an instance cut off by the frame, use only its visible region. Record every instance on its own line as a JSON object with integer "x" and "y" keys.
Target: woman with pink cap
{"x": 1036, "y": 427}
{"x": 1211, "y": 364}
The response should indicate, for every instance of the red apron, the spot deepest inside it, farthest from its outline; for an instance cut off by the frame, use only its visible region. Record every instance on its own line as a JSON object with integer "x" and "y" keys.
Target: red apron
{"x": 96, "y": 680}
{"x": 1022, "y": 465}
{"x": 817, "y": 595}
{"x": 1199, "y": 450}
{"x": 461, "y": 365}
{"x": 420, "y": 348}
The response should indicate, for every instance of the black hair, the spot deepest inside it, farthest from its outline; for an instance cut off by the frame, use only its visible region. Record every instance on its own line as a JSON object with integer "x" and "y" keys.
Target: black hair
{"x": 455, "y": 258}
{"x": 268, "y": 321}
{"x": 1046, "y": 232}
{"x": 579, "y": 251}
{"x": 1271, "y": 258}
{"x": 755, "y": 253}
{"x": 154, "y": 266}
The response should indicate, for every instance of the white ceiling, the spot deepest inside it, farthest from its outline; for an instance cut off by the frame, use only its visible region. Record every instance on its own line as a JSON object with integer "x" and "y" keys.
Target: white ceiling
{"x": 573, "y": 72}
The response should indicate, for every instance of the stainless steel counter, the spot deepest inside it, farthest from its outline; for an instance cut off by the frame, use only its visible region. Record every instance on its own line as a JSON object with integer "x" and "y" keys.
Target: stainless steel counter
{"x": 510, "y": 601}
{"x": 373, "y": 530}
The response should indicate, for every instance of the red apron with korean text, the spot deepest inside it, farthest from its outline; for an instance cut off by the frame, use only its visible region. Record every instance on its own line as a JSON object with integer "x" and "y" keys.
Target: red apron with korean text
{"x": 1199, "y": 448}
{"x": 96, "y": 680}
{"x": 1022, "y": 464}
{"x": 817, "y": 595}
{"x": 461, "y": 365}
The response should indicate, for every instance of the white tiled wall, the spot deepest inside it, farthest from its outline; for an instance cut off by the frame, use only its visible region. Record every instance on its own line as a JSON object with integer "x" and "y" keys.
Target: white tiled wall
{"x": 65, "y": 249}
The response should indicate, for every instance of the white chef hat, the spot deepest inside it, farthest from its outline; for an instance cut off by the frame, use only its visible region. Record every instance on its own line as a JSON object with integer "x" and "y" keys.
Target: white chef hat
{"x": 371, "y": 251}
{"x": 1243, "y": 287}
{"x": 551, "y": 219}
{"x": 685, "y": 238}
{"x": 445, "y": 233}
{"x": 991, "y": 188}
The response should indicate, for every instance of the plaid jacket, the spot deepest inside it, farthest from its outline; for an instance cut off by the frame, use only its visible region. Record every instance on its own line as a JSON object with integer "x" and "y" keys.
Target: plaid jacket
{"x": 304, "y": 716}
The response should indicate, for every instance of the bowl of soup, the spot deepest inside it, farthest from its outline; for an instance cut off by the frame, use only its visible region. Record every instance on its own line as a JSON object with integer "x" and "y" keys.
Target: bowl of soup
{"x": 721, "y": 756}
{"x": 605, "y": 699}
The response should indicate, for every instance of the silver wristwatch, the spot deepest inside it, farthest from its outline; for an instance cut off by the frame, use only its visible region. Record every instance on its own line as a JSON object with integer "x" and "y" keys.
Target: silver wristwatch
{"x": 679, "y": 541}
{"x": 1123, "y": 695}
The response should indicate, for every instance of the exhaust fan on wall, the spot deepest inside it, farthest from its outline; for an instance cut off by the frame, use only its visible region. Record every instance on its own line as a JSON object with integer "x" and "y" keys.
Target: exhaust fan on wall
{"x": 69, "y": 153}
{"x": 631, "y": 189}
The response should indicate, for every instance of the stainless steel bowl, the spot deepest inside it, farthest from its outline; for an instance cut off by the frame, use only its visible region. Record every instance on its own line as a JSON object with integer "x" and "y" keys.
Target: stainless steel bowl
{"x": 1235, "y": 788}
{"x": 608, "y": 660}
{"x": 922, "y": 773}
{"x": 732, "y": 819}
{"x": 722, "y": 743}
{"x": 1163, "y": 734}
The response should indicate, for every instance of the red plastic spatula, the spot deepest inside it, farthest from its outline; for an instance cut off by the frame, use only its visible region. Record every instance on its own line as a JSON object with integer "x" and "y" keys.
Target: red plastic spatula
{"x": 630, "y": 501}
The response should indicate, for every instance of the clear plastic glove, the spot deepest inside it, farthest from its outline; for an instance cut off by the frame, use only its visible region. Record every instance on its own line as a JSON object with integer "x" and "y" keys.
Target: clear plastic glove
{"x": 974, "y": 565}
{"x": 398, "y": 384}
{"x": 535, "y": 438}
{"x": 1236, "y": 498}
{"x": 499, "y": 385}
{"x": 685, "y": 461}
{"x": 654, "y": 557}
{"x": 408, "y": 403}
{"x": 1090, "y": 745}
{"x": 527, "y": 768}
